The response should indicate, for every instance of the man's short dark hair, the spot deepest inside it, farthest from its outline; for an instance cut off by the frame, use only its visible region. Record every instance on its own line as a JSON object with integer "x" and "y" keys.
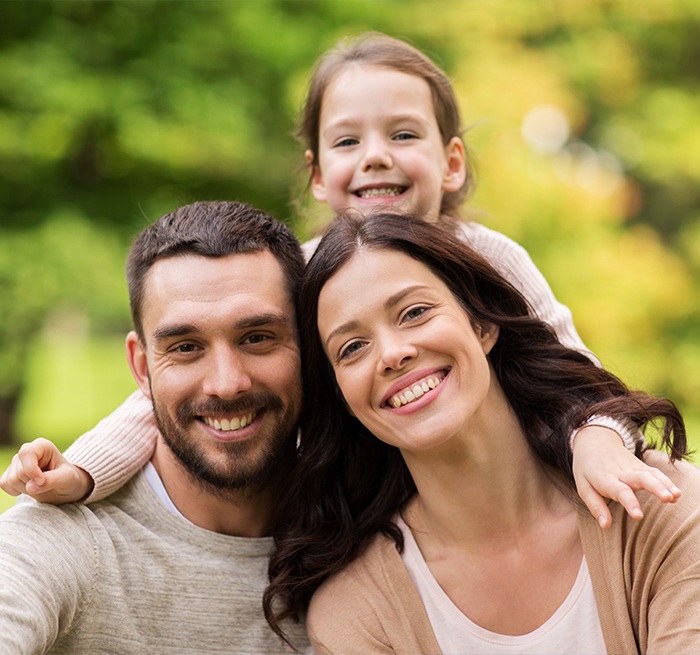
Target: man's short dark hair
{"x": 210, "y": 229}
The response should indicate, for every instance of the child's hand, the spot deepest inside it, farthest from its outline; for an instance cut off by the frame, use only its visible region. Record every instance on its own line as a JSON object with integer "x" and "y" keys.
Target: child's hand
{"x": 42, "y": 472}
{"x": 604, "y": 467}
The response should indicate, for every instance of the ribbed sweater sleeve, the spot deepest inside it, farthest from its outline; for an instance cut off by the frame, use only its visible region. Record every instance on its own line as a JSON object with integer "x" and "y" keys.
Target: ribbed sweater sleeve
{"x": 117, "y": 447}
{"x": 515, "y": 264}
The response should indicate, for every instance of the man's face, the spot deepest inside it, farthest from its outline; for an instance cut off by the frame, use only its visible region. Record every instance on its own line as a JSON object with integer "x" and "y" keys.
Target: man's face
{"x": 221, "y": 364}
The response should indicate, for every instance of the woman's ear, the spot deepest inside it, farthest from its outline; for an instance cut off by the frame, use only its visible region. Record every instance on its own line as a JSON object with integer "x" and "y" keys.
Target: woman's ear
{"x": 138, "y": 362}
{"x": 456, "y": 165}
{"x": 488, "y": 335}
{"x": 318, "y": 188}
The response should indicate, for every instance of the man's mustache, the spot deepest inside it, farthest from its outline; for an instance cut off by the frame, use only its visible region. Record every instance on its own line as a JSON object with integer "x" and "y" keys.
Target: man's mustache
{"x": 217, "y": 406}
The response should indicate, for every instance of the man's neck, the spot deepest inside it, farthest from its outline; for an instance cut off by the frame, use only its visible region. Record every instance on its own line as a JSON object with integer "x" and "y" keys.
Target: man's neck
{"x": 239, "y": 512}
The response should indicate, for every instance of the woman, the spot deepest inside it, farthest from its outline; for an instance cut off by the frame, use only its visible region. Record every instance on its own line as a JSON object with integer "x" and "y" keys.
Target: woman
{"x": 439, "y": 510}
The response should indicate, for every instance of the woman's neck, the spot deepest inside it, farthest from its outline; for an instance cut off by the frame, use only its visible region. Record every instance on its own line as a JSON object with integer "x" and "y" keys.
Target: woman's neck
{"x": 486, "y": 484}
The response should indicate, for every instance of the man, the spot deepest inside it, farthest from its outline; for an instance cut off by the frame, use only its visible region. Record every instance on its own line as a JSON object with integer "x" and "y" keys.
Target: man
{"x": 176, "y": 561}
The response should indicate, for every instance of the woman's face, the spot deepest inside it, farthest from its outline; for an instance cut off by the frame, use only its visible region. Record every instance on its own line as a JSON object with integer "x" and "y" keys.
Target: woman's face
{"x": 406, "y": 357}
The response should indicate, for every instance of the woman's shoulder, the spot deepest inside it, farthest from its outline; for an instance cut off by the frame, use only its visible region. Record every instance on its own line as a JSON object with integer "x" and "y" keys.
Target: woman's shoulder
{"x": 370, "y": 606}
{"x": 676, "y": 522}
{"x": 365, "y": 576}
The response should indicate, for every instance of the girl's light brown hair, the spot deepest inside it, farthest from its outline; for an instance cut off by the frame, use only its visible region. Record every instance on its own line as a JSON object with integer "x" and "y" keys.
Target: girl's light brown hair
{"x": 381, "y": 50}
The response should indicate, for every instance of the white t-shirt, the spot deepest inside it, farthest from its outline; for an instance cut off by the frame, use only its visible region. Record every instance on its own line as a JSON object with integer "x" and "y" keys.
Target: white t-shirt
{"x": 573, "y": 629}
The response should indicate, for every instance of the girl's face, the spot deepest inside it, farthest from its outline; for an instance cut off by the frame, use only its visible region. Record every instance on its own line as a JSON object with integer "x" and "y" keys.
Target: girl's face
{"x": 380, "y": 145}
{"x": 406, "y": 357}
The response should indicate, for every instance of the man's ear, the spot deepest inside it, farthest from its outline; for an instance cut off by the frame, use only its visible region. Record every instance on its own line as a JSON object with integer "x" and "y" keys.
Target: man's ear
{"x": 318, "y": 188}
{"x": 138, "y": 363}
{"x": 488, "y": 335}
{"x": 456, "y": 168}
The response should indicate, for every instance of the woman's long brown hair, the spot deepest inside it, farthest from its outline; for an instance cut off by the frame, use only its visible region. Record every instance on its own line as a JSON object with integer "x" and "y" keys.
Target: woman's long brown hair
{"x": 349, "y": 485}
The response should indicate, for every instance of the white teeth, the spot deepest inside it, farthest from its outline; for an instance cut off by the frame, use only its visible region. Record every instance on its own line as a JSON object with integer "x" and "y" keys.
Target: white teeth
{"x": 409, "y": 395}
{"x": 383, "y": 192}
{"x": 230, "y": 425}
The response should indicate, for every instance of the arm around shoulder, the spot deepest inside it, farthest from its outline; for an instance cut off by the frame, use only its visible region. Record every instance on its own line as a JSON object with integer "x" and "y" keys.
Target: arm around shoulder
{"x": 117, "y": 447}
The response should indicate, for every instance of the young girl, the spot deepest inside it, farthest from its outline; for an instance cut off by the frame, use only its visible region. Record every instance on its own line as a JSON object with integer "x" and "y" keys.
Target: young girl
{"x": 433, "y": 506}
{"x": 382, "y": 130}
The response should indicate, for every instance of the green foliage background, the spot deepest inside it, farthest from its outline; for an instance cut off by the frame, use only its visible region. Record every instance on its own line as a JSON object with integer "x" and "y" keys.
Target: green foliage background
{"x": 114, "y": 112}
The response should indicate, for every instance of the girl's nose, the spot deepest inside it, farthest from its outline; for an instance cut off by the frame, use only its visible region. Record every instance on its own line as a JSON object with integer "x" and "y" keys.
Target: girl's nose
{"x": 377, "y": 155}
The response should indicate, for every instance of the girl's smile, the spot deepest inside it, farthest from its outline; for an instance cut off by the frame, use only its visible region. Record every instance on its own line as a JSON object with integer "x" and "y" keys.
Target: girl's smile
{"x": 380, "y": 144}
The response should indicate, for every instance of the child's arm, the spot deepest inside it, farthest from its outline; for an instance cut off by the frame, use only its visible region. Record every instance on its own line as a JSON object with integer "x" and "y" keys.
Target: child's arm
{"x": 602, "y": 467}
{"x": 97, "y": 464}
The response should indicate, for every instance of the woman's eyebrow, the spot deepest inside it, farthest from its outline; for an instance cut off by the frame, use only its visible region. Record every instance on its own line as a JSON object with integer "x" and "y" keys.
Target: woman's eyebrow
{"x": 349, "y": 326}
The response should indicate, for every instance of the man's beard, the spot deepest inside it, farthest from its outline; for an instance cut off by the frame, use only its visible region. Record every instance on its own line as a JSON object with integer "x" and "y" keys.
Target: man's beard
{"x": 248, "y": 464}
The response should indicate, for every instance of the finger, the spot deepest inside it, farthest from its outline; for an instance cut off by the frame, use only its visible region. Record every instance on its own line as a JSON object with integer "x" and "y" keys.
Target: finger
{"x": 13, "y": 479}
{"x": 8, "y": 486}
{"x": 596, "y": 505}
{"x": 653, "y": 481}
{"x": 628, "y": 499}
{"x": 26, "y": 464}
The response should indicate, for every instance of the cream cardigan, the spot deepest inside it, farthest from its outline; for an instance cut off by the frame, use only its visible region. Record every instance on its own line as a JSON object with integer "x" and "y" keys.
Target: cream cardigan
{"x": 645, "y": 576}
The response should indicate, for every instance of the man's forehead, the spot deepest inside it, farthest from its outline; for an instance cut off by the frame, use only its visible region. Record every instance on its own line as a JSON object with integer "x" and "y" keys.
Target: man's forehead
{"x": 196, "y": 283}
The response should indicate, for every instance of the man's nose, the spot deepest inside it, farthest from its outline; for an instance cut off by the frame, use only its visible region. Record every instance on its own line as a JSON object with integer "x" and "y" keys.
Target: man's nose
{"x": 226, "y": 376}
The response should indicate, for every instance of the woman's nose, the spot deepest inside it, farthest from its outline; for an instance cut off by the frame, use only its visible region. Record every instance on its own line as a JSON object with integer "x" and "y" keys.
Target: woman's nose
{"x": 395, "y": 354}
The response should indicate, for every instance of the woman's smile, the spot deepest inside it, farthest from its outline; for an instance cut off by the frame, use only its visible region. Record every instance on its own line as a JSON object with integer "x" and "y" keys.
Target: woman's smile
{"x": 407, "y": 359}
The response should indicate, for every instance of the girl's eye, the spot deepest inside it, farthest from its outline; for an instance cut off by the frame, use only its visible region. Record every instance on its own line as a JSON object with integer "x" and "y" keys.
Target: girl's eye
{"x": 351, "y": 349}
{"x": 347, "y": 141}
{"x": 403, "y": 136}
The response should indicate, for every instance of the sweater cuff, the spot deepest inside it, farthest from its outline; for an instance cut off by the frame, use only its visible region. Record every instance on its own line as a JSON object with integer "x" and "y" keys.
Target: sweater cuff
{"x": 628, "y": 432}
{"x": 117, "y": 447}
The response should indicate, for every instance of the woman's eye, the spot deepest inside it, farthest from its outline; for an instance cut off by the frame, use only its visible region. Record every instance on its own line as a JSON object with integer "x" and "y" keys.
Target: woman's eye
{"x": 351, "y": 349}
{"x": 414, "y": 313}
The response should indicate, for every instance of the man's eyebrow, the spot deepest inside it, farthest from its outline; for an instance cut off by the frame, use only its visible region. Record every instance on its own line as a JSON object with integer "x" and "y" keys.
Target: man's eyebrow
{"x": 258, "y": 320}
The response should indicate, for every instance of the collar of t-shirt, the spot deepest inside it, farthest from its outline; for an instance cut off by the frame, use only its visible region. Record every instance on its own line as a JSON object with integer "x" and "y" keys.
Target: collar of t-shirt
{"x": 158, "y": 488}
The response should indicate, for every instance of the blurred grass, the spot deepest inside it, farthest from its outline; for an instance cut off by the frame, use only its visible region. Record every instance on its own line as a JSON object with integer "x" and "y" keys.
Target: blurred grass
{"x": 72, "y": 382}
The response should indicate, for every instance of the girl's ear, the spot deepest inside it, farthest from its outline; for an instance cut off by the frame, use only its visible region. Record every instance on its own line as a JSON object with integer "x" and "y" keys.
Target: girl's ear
{"x": 138, "y": 362}
{"x": 317, "y": 186}
{"x": 488, "y": 335}
{"x": 456, "y": 166}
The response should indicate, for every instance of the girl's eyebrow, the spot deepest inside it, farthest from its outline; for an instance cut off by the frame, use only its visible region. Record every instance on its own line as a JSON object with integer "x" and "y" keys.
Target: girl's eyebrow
{"x": 353, "y": 324}
{"x": 350, "y": 121}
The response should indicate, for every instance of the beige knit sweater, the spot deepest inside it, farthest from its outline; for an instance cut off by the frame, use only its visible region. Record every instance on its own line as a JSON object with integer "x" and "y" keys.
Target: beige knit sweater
{"x": 645, "y": 576}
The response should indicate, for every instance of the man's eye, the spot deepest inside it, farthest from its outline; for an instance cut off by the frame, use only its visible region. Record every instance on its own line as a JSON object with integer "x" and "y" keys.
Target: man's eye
{"x": 256, "y": 338}
{"x": 185, "y": 348}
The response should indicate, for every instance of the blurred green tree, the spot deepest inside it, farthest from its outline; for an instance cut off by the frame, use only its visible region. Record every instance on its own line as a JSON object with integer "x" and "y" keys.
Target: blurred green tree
{"x": 585, "y": 135}
{"x": 63, "y": 265}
